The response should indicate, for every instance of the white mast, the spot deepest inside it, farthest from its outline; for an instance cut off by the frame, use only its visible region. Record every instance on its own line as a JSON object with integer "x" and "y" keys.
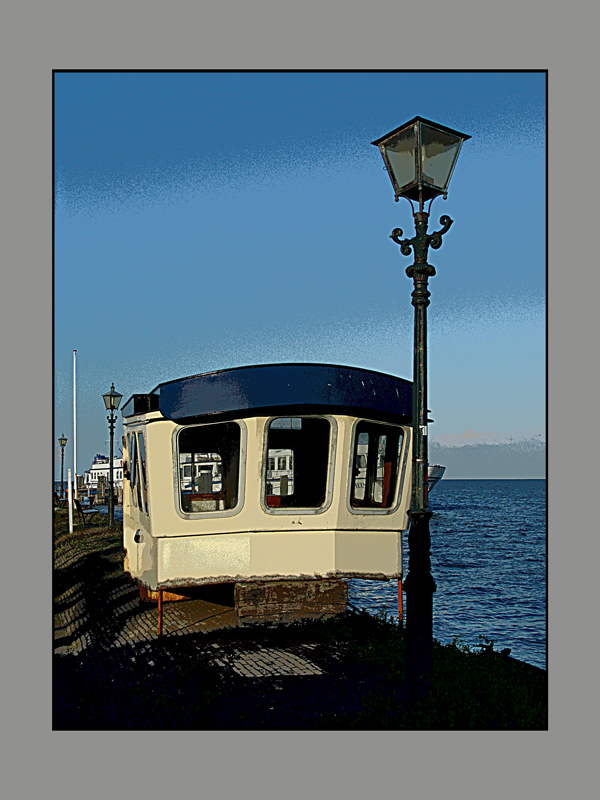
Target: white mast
{"x": 70, "y": 500}
{"x": 75, "y": 420}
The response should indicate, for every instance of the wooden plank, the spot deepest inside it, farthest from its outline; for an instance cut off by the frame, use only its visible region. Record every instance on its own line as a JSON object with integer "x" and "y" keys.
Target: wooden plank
{"x": 280, "y": 601}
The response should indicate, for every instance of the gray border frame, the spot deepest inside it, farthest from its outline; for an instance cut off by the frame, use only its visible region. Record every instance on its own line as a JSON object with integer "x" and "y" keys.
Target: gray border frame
{"x": 431, "y": 761}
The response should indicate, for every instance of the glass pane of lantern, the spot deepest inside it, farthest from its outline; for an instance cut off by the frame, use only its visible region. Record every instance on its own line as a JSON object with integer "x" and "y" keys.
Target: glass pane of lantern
{"x": 401, "y": 154}
{"x": 439, "y": 152}
{"x": 112, "y": 399}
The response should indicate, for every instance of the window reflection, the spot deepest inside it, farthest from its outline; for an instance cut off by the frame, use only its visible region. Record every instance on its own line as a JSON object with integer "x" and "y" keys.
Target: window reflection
{"x": 297, "y": 462}
{"x": 134, "y": 468}
{"x": 376, "y": 465}
{"x": 208, "y": 465}
{"x": 142, "y": 485}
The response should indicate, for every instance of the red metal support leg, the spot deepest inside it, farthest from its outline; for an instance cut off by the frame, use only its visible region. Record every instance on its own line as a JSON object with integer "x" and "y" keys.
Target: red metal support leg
{"x": 160, "y": 612}
{"x": 400, "y": 615}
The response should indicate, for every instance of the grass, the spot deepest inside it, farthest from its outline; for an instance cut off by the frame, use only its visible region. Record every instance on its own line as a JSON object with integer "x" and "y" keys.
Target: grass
{"x": 473, "y": 686}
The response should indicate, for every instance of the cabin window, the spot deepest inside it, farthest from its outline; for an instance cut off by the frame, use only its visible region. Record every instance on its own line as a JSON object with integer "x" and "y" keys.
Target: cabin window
{"x": 375, "y": 465}
{"x": 142, "y": 483}
{"x": 134, "y": 470}
{"x": 297, "y": 462}
{"x": 209, "y": 467}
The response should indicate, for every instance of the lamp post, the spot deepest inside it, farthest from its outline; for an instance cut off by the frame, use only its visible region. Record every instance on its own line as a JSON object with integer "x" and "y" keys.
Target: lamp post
{"x": 111, "y": 401}
{"x": 420, "y": 157}
{"x": 63, "y": 443}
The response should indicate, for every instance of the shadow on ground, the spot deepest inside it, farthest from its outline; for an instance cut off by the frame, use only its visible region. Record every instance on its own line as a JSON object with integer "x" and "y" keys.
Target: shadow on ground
{"x": 185, "y": 679}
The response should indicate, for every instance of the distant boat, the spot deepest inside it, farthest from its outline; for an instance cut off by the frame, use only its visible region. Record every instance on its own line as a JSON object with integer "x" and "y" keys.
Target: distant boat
{"x": 434, "y": 475}
{"x": 100, "y": 467}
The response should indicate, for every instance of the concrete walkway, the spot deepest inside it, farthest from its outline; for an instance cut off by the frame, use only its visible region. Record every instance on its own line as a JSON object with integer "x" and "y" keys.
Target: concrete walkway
{"x": 112, "y": 671}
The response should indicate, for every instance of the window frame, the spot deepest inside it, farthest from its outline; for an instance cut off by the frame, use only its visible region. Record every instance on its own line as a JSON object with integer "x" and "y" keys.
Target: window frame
{"x": 228, "y": 512}
{"x": 360, "y": 510}
{"x": 143, "y": 489}
{"x": 299, "y": 510}
{"x": 133, "y": 470}
{"x": 140, "y": 490}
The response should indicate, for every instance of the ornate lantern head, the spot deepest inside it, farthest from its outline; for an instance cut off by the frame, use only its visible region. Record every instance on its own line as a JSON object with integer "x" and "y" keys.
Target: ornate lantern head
{"x": 420, "y": 157}
{"x": 112, "y": 399}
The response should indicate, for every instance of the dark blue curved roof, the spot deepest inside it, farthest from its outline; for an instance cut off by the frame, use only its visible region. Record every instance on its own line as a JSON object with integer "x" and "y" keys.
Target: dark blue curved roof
{"x": 279, "y": 388}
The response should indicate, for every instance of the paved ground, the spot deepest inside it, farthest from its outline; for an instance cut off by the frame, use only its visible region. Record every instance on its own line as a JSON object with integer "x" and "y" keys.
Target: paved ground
{"x": 112, "y": 671}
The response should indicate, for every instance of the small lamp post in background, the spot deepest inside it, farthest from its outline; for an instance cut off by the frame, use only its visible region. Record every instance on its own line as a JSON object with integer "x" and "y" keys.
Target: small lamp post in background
{"x": 420, "y": 157}
{"x": 111, "y": 401}
{"x": 63, "y": 443}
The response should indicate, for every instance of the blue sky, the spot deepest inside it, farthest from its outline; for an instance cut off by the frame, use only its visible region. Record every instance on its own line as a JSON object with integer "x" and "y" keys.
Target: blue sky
{"x": 209, "y": 220}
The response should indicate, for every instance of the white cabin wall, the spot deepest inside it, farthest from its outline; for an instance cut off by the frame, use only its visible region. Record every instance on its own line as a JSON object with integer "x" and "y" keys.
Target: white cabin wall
{"x": 165, "y": 520}
{"x": 255, "y": 543}
{"x": 140, "y": 557}
{"x": 160, "y": 471}
{"x": 138, "y": 516}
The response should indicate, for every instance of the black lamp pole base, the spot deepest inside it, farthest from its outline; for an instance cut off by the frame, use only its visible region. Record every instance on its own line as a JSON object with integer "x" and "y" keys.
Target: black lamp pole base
{"x": 419, "y": 587}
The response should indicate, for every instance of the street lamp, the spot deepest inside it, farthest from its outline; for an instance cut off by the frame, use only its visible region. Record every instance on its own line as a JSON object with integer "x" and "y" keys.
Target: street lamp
{"x": 420, "y": 157}
{"x": 111, "y": 401}
{"x": 63, "y": 443}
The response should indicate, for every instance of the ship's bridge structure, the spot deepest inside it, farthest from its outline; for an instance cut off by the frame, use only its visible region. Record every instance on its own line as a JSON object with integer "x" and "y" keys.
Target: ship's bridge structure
{"x": 278, "y": 472}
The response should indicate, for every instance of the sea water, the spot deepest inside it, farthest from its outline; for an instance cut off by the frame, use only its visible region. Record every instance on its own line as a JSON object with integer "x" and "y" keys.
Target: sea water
{"x": 488, "y": 559}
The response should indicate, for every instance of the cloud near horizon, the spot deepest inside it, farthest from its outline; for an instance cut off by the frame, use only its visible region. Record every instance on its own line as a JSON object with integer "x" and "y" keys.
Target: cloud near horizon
{"x": 471, "y": 437}
{"x": 523, "y": 458}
